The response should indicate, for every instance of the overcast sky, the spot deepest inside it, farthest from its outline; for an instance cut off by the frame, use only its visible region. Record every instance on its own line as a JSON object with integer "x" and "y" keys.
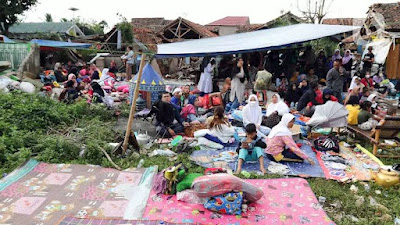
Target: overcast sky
{"x": 203, "y": 12}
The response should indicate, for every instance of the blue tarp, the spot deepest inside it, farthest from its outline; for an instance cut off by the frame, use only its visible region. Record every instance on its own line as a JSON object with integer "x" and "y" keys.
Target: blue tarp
{"x": 59, "y": 44}
{"x": 251, "y": 41}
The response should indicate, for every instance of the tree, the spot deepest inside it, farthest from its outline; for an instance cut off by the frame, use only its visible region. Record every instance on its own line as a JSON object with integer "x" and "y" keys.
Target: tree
{"x": 315, "y": 10}
{"x": 9, "y": 11}
{"x": 48, "y": 17}
{"x": 126, "y": 29}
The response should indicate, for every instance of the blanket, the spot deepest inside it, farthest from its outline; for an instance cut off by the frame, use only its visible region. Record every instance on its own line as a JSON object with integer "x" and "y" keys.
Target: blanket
{"x": 43, "y": 193}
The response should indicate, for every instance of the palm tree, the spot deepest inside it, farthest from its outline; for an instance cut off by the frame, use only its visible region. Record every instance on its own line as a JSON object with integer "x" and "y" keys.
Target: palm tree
{"x": 48, "y": 17}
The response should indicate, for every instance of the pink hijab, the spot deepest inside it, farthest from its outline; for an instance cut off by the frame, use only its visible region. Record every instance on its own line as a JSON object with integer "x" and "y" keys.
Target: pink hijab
{"x": 72, "y": 77}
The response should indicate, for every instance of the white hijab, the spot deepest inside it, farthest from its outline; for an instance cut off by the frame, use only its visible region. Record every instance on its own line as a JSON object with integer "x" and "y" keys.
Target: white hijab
{"x": 252, "y": 112}
{"x": 279, "y": 107}
{"x": 371, "y": 97}
{"x": 353, "y": 83}
{"x": 282, "y": 129}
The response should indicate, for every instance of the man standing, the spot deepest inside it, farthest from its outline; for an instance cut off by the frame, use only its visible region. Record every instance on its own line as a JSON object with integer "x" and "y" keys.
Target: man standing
{"x": 129, "y": 62}
{"x": 335, "y": 80}
{"x": 368, "y": 60}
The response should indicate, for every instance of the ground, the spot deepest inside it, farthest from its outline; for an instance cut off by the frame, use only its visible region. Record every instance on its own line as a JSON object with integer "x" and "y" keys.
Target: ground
{"x": 56, "y": 133}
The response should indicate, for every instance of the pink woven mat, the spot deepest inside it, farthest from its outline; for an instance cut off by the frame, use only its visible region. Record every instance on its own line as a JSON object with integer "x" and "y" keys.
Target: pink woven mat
{"x": 285, "y": 201}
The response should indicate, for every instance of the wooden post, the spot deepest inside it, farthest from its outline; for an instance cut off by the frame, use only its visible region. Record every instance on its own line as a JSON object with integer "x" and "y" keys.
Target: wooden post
{"x": 148, "y": 100}
{"x": 133, "y": 106}
{"x": 376, "y": 144}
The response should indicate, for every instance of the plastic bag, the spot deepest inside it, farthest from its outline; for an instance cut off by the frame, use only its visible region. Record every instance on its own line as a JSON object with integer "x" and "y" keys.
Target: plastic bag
{"x": 162, "y": 152}
{"x": 27, "y": 87}
{"x": 4, "y": 82}
{"x": 218, "y": 184}
{"x": 190, "y": 197}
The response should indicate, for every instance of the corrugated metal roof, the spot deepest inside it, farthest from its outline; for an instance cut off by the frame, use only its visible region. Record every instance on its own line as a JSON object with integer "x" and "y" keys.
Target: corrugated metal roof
{"x": 50, "y": 27}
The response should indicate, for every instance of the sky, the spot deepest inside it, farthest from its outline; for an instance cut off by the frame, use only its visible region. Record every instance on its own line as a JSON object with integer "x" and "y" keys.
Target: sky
{"x": 202, "y": 12}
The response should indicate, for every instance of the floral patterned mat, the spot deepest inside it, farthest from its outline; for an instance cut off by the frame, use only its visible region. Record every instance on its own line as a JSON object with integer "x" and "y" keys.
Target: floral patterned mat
{"x": 44, "y": 193}
{"x": 285, "y": 201}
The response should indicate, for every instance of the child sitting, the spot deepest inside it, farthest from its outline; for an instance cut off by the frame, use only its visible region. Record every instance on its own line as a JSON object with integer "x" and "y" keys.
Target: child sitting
{"x": 251, "y": 148}
{"x": 354, "y": 108}
{"x": 366, "y": 120}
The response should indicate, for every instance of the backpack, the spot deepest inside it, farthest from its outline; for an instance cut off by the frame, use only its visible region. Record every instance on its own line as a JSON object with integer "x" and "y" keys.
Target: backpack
{"x": 326, "y": 143}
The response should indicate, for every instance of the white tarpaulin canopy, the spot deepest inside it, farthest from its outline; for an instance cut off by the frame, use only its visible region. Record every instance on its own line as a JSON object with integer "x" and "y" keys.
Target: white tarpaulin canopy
{"x": 251, "y": 41}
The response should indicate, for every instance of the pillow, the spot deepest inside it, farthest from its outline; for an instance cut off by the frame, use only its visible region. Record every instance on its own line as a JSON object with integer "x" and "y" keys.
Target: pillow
{"x": 218, "y": 184}
{"x": 229, "y": 203}
{"x": 187, "y": 181}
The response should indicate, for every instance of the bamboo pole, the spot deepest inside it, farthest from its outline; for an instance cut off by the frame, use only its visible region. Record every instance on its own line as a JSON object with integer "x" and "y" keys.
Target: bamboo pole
{"x": 133, "y": 106}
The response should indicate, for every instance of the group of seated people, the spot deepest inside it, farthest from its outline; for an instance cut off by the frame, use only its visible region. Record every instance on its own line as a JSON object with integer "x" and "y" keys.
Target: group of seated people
{"x": 179, "y": 109}
{"x": 365, "y": 111}
{"x": 79, "y": 81}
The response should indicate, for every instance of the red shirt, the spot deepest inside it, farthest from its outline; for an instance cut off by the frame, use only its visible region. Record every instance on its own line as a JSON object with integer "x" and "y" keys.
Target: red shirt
{"x": 367, "y": 82}
{"x": 320, "y": 98}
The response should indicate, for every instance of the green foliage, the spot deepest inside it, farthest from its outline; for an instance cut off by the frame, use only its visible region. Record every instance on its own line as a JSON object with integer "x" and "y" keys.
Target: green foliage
{"x": 48, "y": 17}
{"x": 10, "y": 10}
{"x": 325, "y": 44}
{"x": 126, "y": 30}
{"x": 88, "y": 27}
{"x": 34, "y": 126}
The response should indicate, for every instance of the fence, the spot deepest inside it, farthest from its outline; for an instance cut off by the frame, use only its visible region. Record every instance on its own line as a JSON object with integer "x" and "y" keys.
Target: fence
{"x": 14, "y": 53}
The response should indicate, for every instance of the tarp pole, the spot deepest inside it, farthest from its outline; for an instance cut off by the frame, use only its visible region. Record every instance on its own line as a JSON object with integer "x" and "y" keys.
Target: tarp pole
{"x": 133, "y": 106}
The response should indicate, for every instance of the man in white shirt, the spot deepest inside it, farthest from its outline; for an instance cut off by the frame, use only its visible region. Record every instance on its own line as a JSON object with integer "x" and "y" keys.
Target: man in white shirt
{"x": 129, "y": 62}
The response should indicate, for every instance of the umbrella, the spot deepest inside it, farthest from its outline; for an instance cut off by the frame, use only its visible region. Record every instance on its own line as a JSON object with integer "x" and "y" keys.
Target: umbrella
{"x": 331, "y": 114}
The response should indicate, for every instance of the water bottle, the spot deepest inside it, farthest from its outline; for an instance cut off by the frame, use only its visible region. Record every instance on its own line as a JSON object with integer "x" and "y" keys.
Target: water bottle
{"x": 141, "y": 162}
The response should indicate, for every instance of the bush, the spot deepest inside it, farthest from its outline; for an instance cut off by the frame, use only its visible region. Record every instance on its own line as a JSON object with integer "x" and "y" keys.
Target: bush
{"x": 34, "y": 126}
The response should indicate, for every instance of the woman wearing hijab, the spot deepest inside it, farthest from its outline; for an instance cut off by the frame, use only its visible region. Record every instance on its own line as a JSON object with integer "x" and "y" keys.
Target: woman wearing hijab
{"x": 356, "y": 84}
{"x": 205, "y": 84}
{"x": 72, "y": 77}
{"x": 275, "y": 110}
{"x": 280, "y": 143}
{"x": 189, "y": 112}
{"x": 291, "y": 96}
{"x": 328, "y": 96}
{"x": 237, "y": 84}
{"x": 336, "y": 55}
{"x": 97, "y": 93}
{"x": 252, "y": 113}
{"x": 277, "y": 106}
{"x": 347, "y": 60}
